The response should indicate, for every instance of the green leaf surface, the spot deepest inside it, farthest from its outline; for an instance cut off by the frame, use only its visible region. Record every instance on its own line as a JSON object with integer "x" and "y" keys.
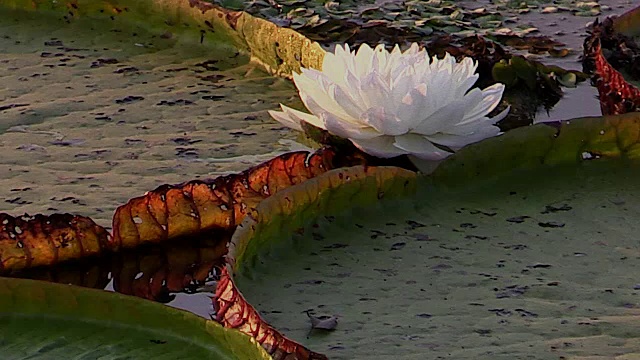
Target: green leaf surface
{"x": 280, "y": 50}
{"x": 40, "y": 320}
{"x": 334, "y": 193}
{"x": 106, "y": 100}
{"x": 524, "y": 245}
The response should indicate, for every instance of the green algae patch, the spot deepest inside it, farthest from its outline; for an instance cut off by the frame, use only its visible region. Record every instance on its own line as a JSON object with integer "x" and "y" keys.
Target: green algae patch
{"x": 52, "y": 321}
{"x": 498, "y": 255}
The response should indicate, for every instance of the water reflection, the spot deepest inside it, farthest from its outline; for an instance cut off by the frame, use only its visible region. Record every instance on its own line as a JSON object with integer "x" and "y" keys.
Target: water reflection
{"x": 174, "y": 273}
{"x": 577, "y": 102}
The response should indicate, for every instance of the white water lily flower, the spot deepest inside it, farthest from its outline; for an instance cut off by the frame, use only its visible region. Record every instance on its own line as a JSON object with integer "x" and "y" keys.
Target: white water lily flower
{"x": 394, "y": 103}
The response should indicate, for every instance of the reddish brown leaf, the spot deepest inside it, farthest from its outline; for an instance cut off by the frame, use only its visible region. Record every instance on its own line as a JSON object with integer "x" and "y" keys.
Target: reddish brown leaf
{"x": 29, "y": 241}
{"x": 233, "y": 311}
{"x": 172, "y": 211}
{"x": 616, "y": 95}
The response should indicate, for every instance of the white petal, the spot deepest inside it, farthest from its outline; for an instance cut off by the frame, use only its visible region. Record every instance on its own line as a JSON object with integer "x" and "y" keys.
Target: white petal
{"x": 312, "y": 74}
{"x": 415, "y": 106}
{"x": 440, "y": 90}
{"x": 371, "y": 96}
{"x": 480, "y": 134}
{"x": 469, "y": 102}
{"x": 503, "y": 114}
{"x": 471, "y": 126}
{"x": 381, "y": 146}
{"x": 464, "y": 74}
{"x": 363, "y": 60}
{"x": 344, "y": 99}
{"x": 413, "y": 49}
{"x": 442, "y": 118}
{"x": 380, "y": 58}
{"x": 469, "y": 129}
{"x": 384, "y": 122}
{"x": 420, "y": 147}
{"x": 401, "y": 88}
{"x": 303, "y": 116}
{"x": 465, "y": 84}
{"x": 338, "y": 112}
{"x": 335, "y": 68}
{"x": 292, "y": 118}
{"x": 492, "y": 96}
{"x": 315, "y": 96}
{"x": 284, "y": 119}
{"x": 449, "y": 140}
{"x": 456, "y": 142}
{"x": 374, "y": 91}
{"x": 346, "y": 129}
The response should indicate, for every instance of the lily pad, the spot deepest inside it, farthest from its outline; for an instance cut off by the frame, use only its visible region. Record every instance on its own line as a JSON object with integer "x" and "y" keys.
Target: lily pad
{"x": 111, "y": 99}
{"x": 520, "y": 245}
{"x": 371, "y": 21}
{"x": 41, "y": 320}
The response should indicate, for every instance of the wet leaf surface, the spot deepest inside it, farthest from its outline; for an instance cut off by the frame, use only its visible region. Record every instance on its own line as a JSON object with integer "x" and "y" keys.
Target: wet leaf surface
{"x": 443, "y": 276}
{"x": 489, "y": 288}
{"x": 100, "y": 128}
{"x": 41, "y": 320}
{"x": 231, "y": 308}
{"x": 187, "y": 263}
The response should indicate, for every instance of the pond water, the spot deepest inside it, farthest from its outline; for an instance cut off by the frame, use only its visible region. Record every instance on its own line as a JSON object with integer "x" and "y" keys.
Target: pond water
{"x": 571, "y": 30}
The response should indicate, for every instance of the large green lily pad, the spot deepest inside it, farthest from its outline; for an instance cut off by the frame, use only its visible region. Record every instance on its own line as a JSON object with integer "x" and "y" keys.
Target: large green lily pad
{"x": 522, "y": 246}
{"x": 102, "y": 101}
{"x": 40, "y": 320}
